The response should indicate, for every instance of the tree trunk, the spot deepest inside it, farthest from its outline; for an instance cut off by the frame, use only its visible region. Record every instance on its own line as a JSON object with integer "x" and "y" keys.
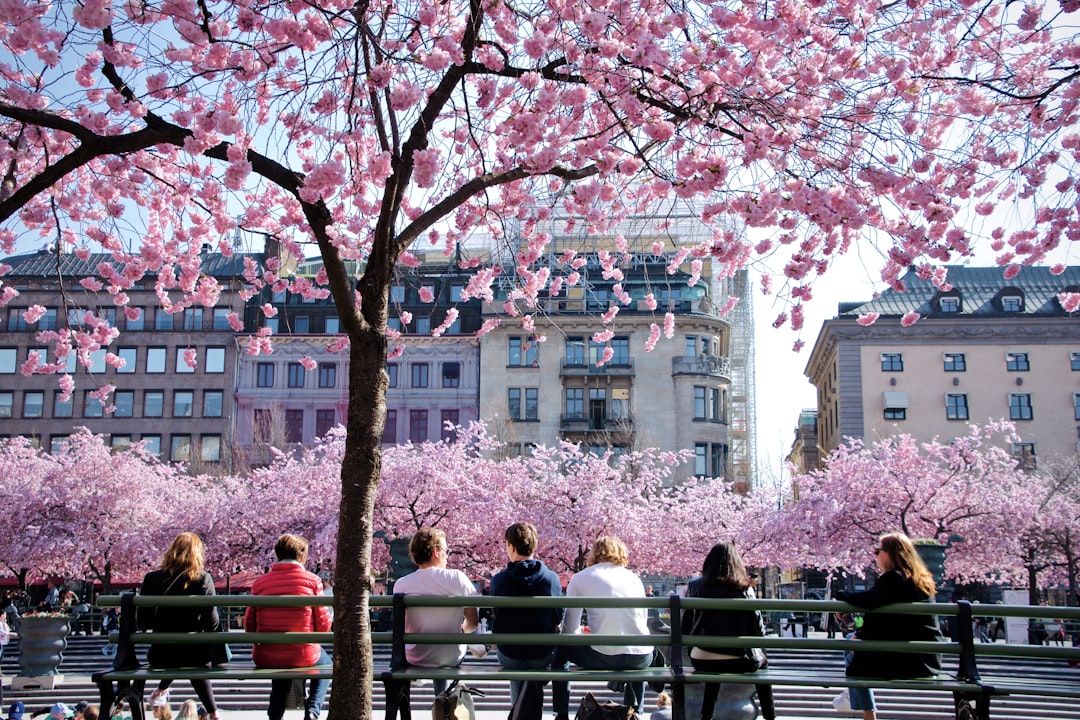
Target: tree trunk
{"x": 360, "y": 470}
{"x": 1033, "y": 584}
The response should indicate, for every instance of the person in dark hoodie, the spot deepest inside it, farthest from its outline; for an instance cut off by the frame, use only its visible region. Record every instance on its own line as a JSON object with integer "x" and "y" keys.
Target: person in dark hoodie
{"x": 525, "y": 576}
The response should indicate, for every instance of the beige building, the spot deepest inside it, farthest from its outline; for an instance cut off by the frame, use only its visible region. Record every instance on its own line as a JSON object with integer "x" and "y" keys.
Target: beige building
{"x": 985, "y": 349}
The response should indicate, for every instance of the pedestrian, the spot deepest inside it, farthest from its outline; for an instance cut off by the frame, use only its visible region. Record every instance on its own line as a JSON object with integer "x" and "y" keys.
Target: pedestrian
{"x": 288, "y": 577}
{"x": 428, "y": 549}
{"x": 663, "y": 707}
{"x": 723, "y": 575}
{"x": 181, "y": 573}
{"x": 904, "y": 578}
{"x": 607, "y": 576}
{"x": 526, "y": 576}
{"x": 16, "y": 711}
{"x": 187, "y": 711}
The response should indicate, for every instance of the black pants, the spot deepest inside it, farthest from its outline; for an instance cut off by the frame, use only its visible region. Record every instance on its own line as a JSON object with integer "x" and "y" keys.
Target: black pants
{"x": 735, "y": 665}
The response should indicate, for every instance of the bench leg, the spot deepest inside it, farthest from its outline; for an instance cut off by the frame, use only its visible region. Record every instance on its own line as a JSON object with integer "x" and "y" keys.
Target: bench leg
{"x": 971, "y": 707}
{"x": 678, "y": 700}
{"x": 397, "y": 699}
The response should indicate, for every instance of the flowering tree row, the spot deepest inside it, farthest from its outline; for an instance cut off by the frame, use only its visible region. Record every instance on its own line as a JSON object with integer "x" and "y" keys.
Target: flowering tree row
{"x": 92, "y": 512}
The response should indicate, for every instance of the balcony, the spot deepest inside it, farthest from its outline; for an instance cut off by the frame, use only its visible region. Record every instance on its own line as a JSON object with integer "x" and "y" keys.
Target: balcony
{"x": 577, "y": 369}
{"x": 583, "y": 424}
{"x": 716, "y": 366}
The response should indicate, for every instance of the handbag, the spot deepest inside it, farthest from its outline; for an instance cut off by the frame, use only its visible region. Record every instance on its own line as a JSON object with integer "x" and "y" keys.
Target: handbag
{"x": 592, "y": 709}
{"x": 455, "y": 703}
{"x": 842, "y": 702}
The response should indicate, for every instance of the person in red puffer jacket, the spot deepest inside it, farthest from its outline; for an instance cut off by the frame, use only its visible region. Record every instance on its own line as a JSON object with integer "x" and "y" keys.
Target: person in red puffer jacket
{"x": 288, "y": 577}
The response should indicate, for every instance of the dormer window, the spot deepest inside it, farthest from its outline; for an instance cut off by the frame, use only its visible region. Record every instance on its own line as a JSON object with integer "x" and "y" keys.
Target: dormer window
{"x": 1012, "y": 303}
{"x": 950, "y": 304}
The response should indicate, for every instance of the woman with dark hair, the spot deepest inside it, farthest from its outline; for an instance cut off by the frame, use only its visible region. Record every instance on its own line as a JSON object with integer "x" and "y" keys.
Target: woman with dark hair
{"x": 723, "y": 575}
{"x": 181, "y": 573}
{"x": 904, "y": 578}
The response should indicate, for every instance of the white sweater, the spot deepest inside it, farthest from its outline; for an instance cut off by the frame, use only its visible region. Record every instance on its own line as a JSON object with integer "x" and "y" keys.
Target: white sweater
{"x": 609, "y": 580}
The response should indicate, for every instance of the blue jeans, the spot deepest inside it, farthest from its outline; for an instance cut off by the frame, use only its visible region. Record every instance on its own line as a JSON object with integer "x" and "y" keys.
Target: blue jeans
{"x": 279, "y": 692}
{"x": 540, "y": 663}
{"x": 862, "y": 698}
{"x": 587, "y": 657}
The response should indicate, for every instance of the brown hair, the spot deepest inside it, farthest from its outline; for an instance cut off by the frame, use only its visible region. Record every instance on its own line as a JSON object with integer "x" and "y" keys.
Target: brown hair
{"x": 291, "y": 547}
{"x": 608, "y": 548}
{"x": 424, "y": 543}
{"x": 523, "y": 537}
{"x": 723, "y": 567}
{"x": 185, "y": 556}
{"x": 907, "y": 562}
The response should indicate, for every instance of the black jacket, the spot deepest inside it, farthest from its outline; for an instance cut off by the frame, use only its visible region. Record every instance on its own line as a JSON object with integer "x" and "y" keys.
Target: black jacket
{"x": 526, "y": 578}
{"x": 723, "y": 623}
{"x": 179, "y": 619}
{"x": 893, "y": 587}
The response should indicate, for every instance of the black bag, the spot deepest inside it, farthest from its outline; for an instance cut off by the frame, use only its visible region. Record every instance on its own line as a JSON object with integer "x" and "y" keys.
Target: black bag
{"x": 530, "y": 702}
{"x": 455, "y": 703}
{"x": 592, "y": 709}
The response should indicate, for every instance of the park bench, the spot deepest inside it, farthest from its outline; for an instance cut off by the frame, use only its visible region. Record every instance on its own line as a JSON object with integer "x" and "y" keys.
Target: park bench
{"x": 972, "y": 691}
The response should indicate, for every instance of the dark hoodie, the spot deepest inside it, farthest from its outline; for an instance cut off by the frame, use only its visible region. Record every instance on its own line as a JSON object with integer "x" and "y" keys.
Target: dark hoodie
{"x": 526, "y": 578}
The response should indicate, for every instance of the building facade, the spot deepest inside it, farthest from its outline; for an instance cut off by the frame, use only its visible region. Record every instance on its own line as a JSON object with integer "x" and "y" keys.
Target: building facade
{"x": 985, "y": 349}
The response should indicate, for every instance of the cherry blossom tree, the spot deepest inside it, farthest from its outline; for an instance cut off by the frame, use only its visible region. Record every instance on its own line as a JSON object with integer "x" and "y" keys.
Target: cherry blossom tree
{"x": 356, "y": 130}
{"x": 969, "y": 486}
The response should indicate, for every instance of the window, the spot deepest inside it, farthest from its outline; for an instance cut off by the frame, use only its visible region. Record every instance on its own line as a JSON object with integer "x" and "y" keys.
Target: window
{"x": 92, "y": 407}
{"x": 210, "y": 448}
{"x": 7, "y": 403}
{"x": 61, "y": 408}
{"x": 120, "y": 442}
{"x": 690, "y": 349}
{"x": 152, "y": 443}
{"x": 1019, "y": 406}
{"x": 193, "y": 319}
{"x": 181, "y": 364}
{"x": 701, "y": 459}
{"x": 522, "y": 352}
{"x": 264, "y": 374}
{"x": 955, "y": 362}
{"x": 125, "y": 403}
{"x": 892, "y": 362}
{"x": 620, "y": 404}
{"x": 418, "y": 426}
{"x": 181, "y": 448}
{"x": 271, "y": 323}
{"x": 296, "y": 375}
{"x": 956, "y": 407}
{"x": 516, "y": 410}
{"x": 327, "y": 375}
{"x": 419, "y": 372}
{"x": 48, "y": 320}
{"x": 9, "y": 358}
{"x": 448, "y": 421}
{"x": 895, "y": 405}
{"x": 33, "y": 403}
{"x": 212, "y": 403}
{"x": 302, "y": 324}
{"x": 716, "y": 408}
{"x": 597, "y": 408}
{"x": 97, "y": 361}
{"x": 621, "y": 346}
{"x": 215, "y": 360}
{"x": 1017, "y": 362}
{"x": 575, "y": 403}
{"x": 16, "y": 322}
{"x": 949, "y": 304}
{"x": 58, "y": 444}
{"x": 575, "y": 351}
{"x": 423, "y": 325}
{"x": 1074, "y": 360}
{"x": 451, "y": 374}
{"x": 162, "y": 320}
{"x": 1076, "y": 406}
{"x": 294, "y": 426}
{"x": 262, "y": 425}
{"x": 389, "y": 434}
{"x": 1012, "y": 303}
{"x": 324, "y": 422}
{"x": 1024, "y": 454}
{"x": 700, "y": 403}
{"x": 391, "y": 370}
{"x": 137, "y": 323}
{"x": 397, "y": 293}
{"x": 896, "y": 413}
{"x": 153, "y": 403}
{"x": 183, "y": 403}
{"x": 155, "y": 359}
{"x": 455, "y": 292}
{"x": 130, "y": 356}
{"x": 75, "y": 318}
{"x": 221, "y": 319}
{"x": 333, "y": 325}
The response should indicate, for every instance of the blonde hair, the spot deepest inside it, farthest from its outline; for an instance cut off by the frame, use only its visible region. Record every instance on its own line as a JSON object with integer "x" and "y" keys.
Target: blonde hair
{"x": 907, "y": 562}
{"x": 185, "y": 556}
{"x": 663, "y": 700}
{"x": 163, "y": 712}
{"x": 188, "y": 710}
{"x": 608, "y": 548}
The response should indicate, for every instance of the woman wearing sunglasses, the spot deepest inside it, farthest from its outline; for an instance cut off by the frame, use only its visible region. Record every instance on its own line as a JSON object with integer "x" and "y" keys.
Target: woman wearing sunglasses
{"x": 904, "y": 578}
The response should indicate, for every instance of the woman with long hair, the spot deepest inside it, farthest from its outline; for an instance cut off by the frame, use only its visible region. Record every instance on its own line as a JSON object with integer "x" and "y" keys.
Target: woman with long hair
{"x": 904, "y": 578}
{"x": 181, "y": 573}
{"x": 723, "y": 575}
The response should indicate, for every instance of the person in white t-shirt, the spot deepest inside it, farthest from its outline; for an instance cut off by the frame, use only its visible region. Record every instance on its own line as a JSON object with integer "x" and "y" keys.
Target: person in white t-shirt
{"x": 607, "y": 576}
{"x": 428, "y": 550}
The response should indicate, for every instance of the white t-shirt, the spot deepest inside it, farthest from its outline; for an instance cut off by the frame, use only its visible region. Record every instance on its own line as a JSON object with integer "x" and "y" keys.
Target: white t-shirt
{"x": 434, "y": 581}
{"x": 609, "y": 580}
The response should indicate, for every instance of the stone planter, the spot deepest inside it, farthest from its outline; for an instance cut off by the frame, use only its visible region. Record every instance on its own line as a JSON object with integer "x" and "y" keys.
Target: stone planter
{"x": 42, "y": 640}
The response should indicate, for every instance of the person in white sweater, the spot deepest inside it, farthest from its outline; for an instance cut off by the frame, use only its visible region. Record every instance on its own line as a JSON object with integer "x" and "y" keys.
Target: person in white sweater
{"x": 607, "y": 576}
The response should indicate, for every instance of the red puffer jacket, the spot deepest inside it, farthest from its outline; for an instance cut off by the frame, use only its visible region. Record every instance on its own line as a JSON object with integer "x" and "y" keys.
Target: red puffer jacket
{"x": 286, "y": 578}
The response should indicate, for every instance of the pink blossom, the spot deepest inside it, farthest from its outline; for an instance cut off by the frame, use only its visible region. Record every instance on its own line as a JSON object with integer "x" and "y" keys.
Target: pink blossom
{"x": 669, "y": 325}
{"x": 1070, "y": 301}
{"x": 426, "y": 166}
{"x": 909, "y": 319}
{"x": 269, "y": 310}
{"x": 654, "y": 337}
{"x": 34, "y": 313}
{"x": 191, "y": 358}
{"x": 308, "y": 363}
{"x": 868, "y": 318}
